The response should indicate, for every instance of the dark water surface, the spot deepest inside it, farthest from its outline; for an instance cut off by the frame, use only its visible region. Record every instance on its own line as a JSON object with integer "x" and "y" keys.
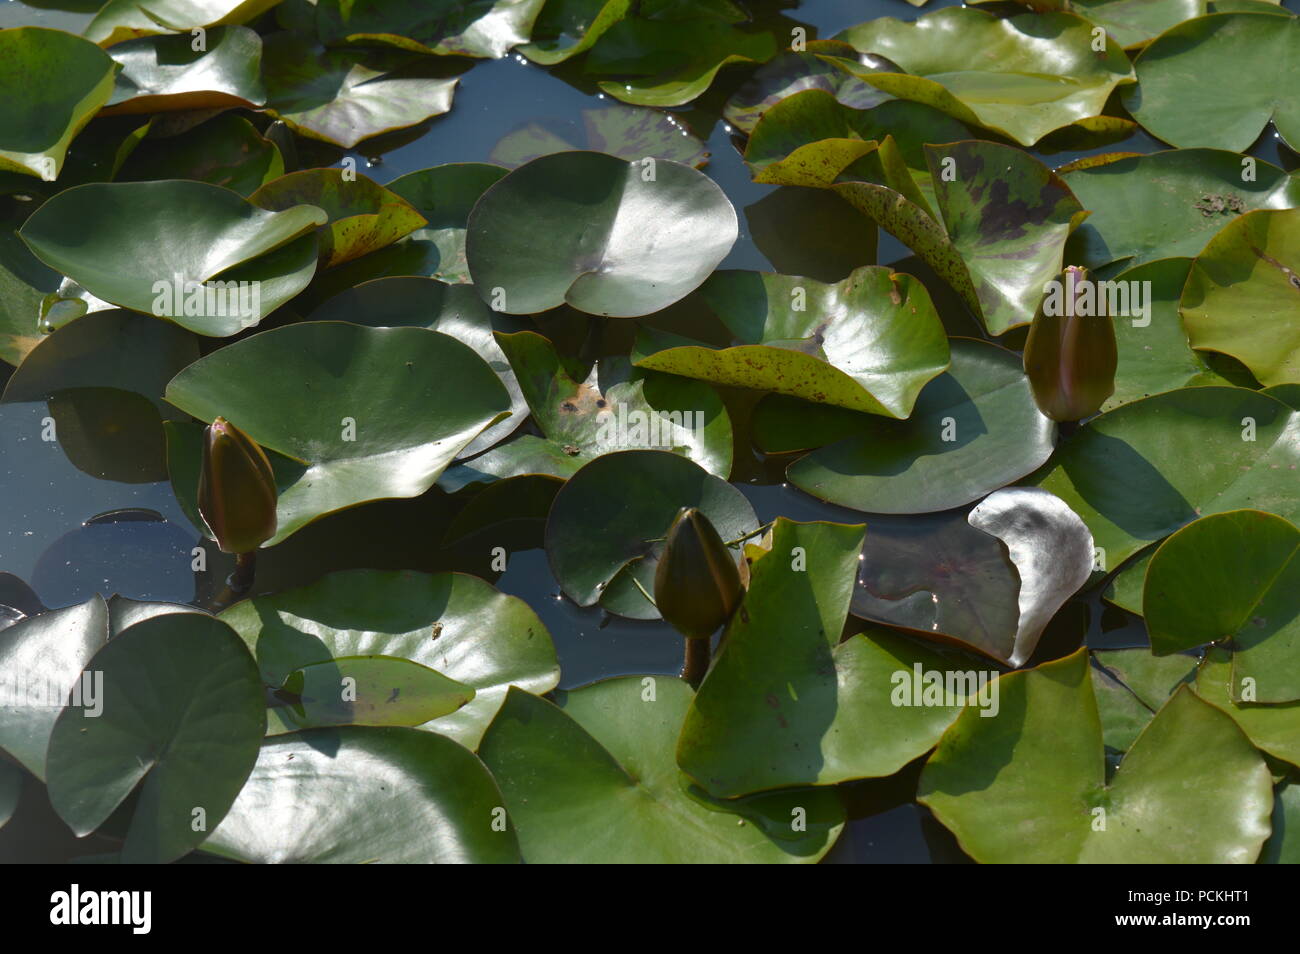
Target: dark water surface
{"x": 59, "y": 531}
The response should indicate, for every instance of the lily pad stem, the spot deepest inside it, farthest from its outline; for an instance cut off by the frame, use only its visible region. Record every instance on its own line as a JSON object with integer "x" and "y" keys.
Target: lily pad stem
{"x": 698, "y": 651}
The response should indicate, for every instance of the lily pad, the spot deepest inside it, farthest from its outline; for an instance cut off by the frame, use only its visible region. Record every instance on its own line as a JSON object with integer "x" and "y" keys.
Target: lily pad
{"x": 671, "y": 62}
{"x": 366, "y": 794}
{"x": 606, "y": 236}
{"x": 628, "y": 132}
{"x": 1243, "y": 294}
{"x": 783, "y": 704}
{"x": 1192, "y": 789}
{"x": 1154, "y": 354}
{"x": 793, "y": 72}
{"x": 1129, "y": 473}
{"x": 166, "y": 72}
{"x": 583, "y": 419}
{"x": 1217, "y": 81}
{"x": 42, "y": 658}
{"x": 1131, "y": 685}
{"x": 345, "y": 96}
{"x": 999, "y": 225}
{"x": 363, "y": 216}
{"x": 107, "y": 349}
{"x": 11, "y": 790}
{"x": 37, "y": 126}
{"x": 1283, "y": 847}
{"x": 363, "y": 690}
{"x": 488, "y": 28}
{"x": 162, "y": 247}
{"x": 814, "y": 129}
{"x": 25, "y": 284}
{"x": 368, "y": 413}
{"x": 120, "y": 20}
{"x": 444, "y": 195}
{"x": 1169, "y": 204}
{"x": 593, "y": 779}
{"x": 225, "y": 151}
{"x": 1273, "y": 728}
{"x": 181, "y": 716}
{"x": 974, "y": 428}
{"x": 452, "y": 623}
{"x": 868, "y": 343}
{"x": 454, "y": 310}
{"x": 566, "y": 28}
{"x": 608, "y": 521}
{"x": 988, "y": 580}
{"x": 1022, "y": 77}
{"x": 1132, "y": 22}
{"x": 1232, "y": 576}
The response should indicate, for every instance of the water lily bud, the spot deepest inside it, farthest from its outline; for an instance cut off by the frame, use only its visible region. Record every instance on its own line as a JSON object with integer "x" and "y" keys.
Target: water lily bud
{"x": 697, "y": 584}
{"x": 1070, "y": 356}
{"x": 236, "y": 489}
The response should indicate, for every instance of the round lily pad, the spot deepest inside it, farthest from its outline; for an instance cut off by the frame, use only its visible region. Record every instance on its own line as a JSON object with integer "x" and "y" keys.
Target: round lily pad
{"x": 604, "y": 235}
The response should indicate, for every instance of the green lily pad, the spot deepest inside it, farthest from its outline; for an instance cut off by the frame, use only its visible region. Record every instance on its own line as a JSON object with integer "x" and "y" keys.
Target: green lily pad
{"x": 671, "y": 62}
{"x": 990, "y": 579}
{"x": 444, "y": 195}
{"x": 1216, "y": 81}
{"x": 166, "y": 72}
{"x": 345, "y": 96}
{"x": 120, "y": 20}
{"x": 1000, "y": 219}
{"x": 795, "y": 71}
{"x": 583, "y": 419}
{"x": 1233, "y": 575}
{"x": 107, "y": 349}
{"x": 1288, "y": 394}
{"x": 488, "y": 28}
{"x": 1023, "y": 77}
{"x": 1127, "y": 473}
{"x": 814, "y": 130}
{"x": 1132, "y": 22}
{"x": 452, "y": 623}
{"x": 566, "y": 28}
{"x": 606, "y": 236}
{"x": 608, "y": 521}
{"x": 368, "y": 413}
{"x": 25, "y": 284}
{"x": 1192, "y": 789}
{"x": 454, "y": 310}
{"x": 11, "y": 790}
{"x": 144, "y": 245}
{"x": 1273, "y": 728}
{"x": 1154, "y": 354}
{"x": 1169, "y": 204}
{"x": 868, "y": 343}
{"x": 363, "y": 690}
{"x": 1131, "y": 685}
{"x": 628, "y": 132}
{"x": 181, "y": 716}
{"x": 366, "y": 794}
{"x": 1283, "y": 847}
{"x": 42, "y": 658}
{"x": 1243, "y": 294}
{"x": 974, "y": 428}
{"x": 593, "y": 779}
{"x": 363, "y": 216}
{"x": 784, "y": 705}
{"x": 37, "y": 126}
{"x": 226, "y": 151}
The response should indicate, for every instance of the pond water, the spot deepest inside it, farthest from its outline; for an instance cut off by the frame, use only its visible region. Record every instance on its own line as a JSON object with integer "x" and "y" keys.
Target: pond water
{"x": 69, "y": 534}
